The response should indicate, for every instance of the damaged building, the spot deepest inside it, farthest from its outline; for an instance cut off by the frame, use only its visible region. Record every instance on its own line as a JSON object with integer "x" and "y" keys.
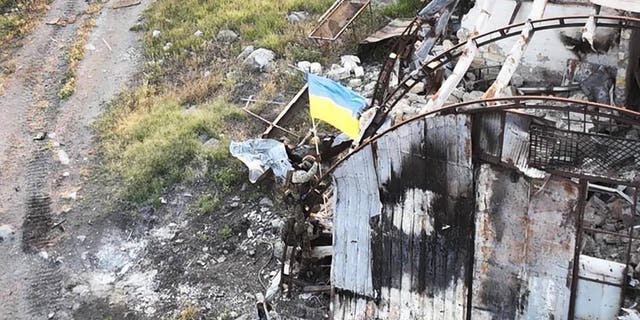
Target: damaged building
{"x": 497, "y": 177}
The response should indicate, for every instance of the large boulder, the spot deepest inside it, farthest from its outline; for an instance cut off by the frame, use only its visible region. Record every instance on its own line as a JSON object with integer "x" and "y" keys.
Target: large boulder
{"x": 259, "y": 60}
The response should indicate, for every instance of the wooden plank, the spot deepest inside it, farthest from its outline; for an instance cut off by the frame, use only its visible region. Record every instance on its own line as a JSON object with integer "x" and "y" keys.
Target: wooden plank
{"x": 295, "y": 106}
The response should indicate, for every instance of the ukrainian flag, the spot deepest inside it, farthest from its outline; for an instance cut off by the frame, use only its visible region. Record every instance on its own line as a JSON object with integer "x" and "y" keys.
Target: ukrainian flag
{"x": 335, "y": 104}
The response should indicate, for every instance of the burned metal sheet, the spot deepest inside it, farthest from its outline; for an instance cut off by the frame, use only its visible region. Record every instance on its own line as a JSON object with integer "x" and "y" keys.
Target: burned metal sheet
{"x": 421, "y": 233}
{"x": 524, "y": 245}
{"x": 358, "y": 200}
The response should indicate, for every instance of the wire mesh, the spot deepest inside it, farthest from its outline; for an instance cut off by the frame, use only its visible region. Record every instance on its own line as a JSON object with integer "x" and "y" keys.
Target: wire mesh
{"x": 583, "y": 153}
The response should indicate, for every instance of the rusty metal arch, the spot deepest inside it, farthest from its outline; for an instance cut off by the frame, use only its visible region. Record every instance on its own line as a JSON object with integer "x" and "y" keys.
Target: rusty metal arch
{"x": 428, "y": 68}
{"x": 511, "y": 104}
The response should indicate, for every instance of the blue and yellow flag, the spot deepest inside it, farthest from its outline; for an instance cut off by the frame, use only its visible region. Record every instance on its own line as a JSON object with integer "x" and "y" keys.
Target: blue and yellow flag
{"x": 335, "y": 104}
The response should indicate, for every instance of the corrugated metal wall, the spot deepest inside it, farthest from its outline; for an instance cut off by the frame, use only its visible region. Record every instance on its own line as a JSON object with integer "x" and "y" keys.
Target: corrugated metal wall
{"x": 410, "y": 240}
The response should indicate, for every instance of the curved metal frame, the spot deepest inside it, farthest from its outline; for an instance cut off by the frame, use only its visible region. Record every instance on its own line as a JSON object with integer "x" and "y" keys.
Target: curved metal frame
{"x": 506, "y": 104}
{"x": 492, "y": 36}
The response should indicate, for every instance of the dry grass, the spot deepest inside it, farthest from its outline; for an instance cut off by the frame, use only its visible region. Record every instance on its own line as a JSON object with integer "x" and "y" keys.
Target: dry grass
{"x": 76, "y": 53}
{"x": 17, "y": 17}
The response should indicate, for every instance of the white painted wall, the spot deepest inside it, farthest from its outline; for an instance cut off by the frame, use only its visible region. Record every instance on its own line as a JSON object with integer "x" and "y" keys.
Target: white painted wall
{"x": 546, "y": 50}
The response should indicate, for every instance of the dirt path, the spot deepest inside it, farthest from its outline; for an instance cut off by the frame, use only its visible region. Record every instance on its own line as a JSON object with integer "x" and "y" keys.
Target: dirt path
{"x": 37, "y": 183}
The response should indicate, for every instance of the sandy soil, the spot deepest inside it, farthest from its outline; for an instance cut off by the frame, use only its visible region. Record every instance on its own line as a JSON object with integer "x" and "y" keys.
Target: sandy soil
{"x": 33, "y": 179}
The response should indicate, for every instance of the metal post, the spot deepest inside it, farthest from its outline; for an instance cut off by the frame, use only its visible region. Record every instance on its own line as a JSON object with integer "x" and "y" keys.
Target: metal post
{"x": 578, "y": 247}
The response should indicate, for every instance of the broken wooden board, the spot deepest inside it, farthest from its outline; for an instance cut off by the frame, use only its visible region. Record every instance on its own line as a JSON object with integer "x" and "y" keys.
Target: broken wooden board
{"x": 294, "y": 109}
{"x": 125, "y": 4}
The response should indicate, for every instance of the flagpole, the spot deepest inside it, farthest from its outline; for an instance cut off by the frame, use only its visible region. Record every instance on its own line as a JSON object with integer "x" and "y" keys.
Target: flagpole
{"x": 315, "y": 140}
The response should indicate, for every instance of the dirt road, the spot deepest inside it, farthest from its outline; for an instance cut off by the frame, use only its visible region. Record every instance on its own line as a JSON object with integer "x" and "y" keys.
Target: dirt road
{"x": 39, "y": 178}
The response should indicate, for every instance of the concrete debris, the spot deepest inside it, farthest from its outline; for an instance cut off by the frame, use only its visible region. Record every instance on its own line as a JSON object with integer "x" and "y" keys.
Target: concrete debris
{"x": 266, "y": 202}
{"x": 156, "y": 33}
{"x": 259, "y": 59}
{"x": 315, "y": 68}
{"x": 226, "y": 36}
{"x": 630, "y": 314}
{"x": 304, "y": 66}
{"x": 338, "y": 72}
{"x": 350, "y": 62}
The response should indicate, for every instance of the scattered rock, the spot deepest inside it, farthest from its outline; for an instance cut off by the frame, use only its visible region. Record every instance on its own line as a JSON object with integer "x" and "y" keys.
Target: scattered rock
{"x": 249, "y": 233}
{"x": 354, "y": 83}
{"x": 259, "y": 59}
{"x": 304, "y": 66}
{"x": 358, "y": 72}
{"x": 473, "y": 95}
{"x": 226, "y": 36}
{"x": 40, "y": 135}
{"x": 297, "y": 16}
{"x": 245, "y": 52}
{"x": 212, "y": 143}
{"x": 338, "y": 73}
{"x": 418, "y": 88}
{"x": 167, "y": 46}
{"x": 156, "y": 33}
{"x": 7, "y": 233}
{"x": 43, "y": 254}
{"x": 350, "y": 62}
{"x": 63, "y": 157}
{"x": 198, "y": 33}
{"x": 315, "y": 68}
{"x": 265, "y": 201}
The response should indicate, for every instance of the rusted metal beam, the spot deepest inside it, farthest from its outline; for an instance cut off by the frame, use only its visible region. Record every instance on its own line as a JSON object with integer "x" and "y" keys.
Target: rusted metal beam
{"x": 514, "y": 104}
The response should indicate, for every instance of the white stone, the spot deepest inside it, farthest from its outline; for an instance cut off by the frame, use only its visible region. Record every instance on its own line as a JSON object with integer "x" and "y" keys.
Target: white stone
{"x": 350, "y": 62}
{"x": 156, "y": 33}
{"x": 259, "y": 59}
{"x": 63, "y": 157}
{"x": 358, "y": 72}
{"x": 304, "y": 66}
{"x": 339, "y": 73}
{"x": 198, "y": 33}
{"x": 354, "y": 83}
{"x": 245, "y": 52}
{"x": 315, "y": 68}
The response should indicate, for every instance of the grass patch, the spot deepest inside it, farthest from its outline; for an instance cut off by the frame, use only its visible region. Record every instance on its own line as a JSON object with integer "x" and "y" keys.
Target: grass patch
{"x": 153, "y": 142}
{"x": 225, "y": 232}
{"x": 188, "y": 313}
{"x": 208, "y": 204}
{"x": 17, "y": 17}
{"x": 404, "y": 8}
{"x": 76, "y": 53}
